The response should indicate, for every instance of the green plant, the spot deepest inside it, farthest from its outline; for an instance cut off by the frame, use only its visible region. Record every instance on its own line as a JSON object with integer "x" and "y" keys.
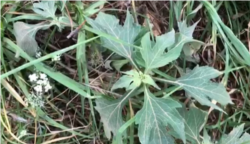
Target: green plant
{"x": 161, "y": 94}
{"x": 152, "y": 53}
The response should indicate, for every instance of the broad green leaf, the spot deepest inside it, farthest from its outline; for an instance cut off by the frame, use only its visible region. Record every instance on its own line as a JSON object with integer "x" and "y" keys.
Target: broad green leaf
{"x": 65, "y": 21}
{"x": 111, "y": 113}
{"x": 148, "y": 80}
{"x": 164, "y": 58}
{"x": 46, "y": 9}
{"x": 236, "y": 137}
{"x": 110, "y": 24}
{"x": 25, "y": 36}
{"x": 154, "y": 55}
{"x": 129, "y": 81}
{"x": 118, "y": 64}
{"x": 190, "y": 50}
{"x": 185, "y": 30}
{"x": 154, "y": 117}
{"x": 194, "y": 120}
{"x": 132, "y": 80}
{"x": 198, "y": 85}
{"x": 245, "y": 138}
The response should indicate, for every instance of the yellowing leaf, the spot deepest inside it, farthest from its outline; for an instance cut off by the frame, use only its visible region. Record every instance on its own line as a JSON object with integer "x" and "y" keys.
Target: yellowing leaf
{"x": 132, "y": 80}
{"x": 148, "y": 80}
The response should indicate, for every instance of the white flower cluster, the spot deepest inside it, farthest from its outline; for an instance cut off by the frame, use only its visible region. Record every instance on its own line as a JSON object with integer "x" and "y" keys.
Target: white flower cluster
{"x": 35, "y": 100}
{"x": 41, "y": 82}
{"x": 41, "y": 85}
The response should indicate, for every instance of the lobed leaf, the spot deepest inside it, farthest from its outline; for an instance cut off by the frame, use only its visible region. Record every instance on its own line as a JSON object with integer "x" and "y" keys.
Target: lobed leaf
{"x": 189, "y": 48}
{"x": 130, "y": 81}
{"x": 185, "y": 30}
{"x": 46, "y": 9}
{"x": 236, "y": 137}
{"x": 110, "y": 24}
{"x": 111, "y": 113}
{"x": 155, "y": 116}
{"x": 194, "y": 120}
{"x": 25, "y": 36}
{"x": 154, "y": 55}
{"x": 198, "y": 85}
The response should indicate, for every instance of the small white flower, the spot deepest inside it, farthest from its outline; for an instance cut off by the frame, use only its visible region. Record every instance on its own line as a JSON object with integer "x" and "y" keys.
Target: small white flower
{"x": 41, "y": 82}
{"x": 43, "y": 76}
{"x": 38, "y": 54}
{"x": 38, "y": 88}
{"x": 47, "y": 87}
{"x": 56, "y": 58}
{"x": 33, "y": 77}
